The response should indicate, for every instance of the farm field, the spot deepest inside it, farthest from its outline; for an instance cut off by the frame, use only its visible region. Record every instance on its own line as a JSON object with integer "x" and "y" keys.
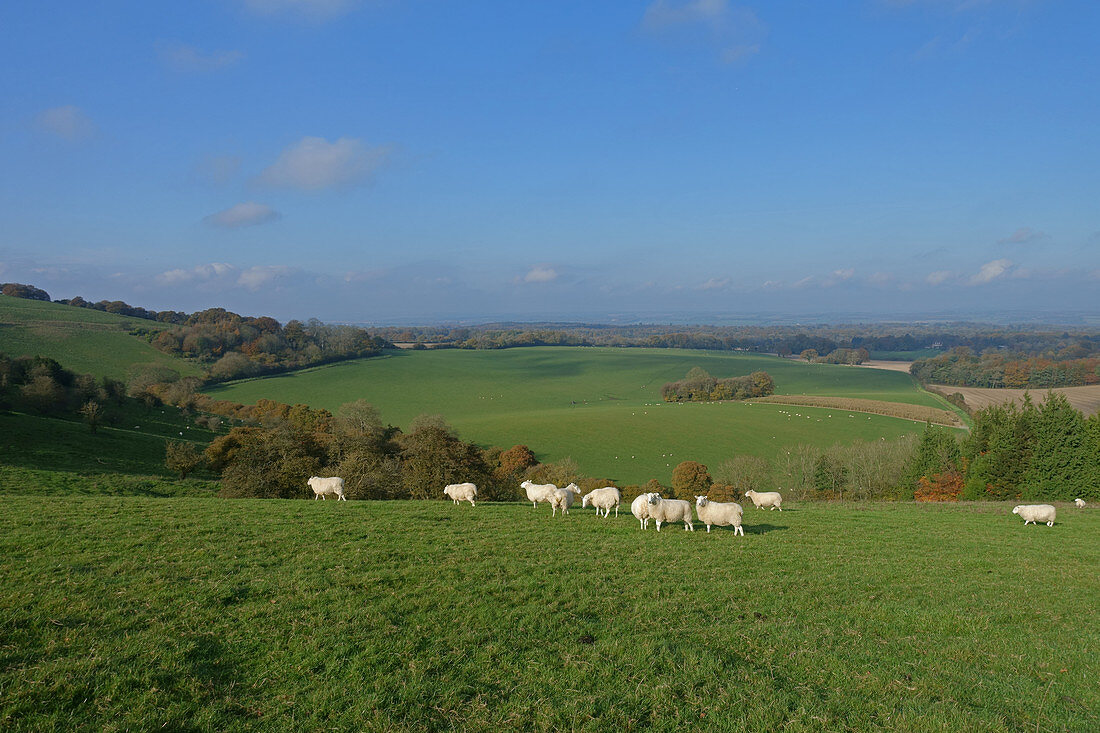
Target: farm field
{"x": 135, "y": 613}
{"x": 1086, "y": 399}
{"x": 601, "y": 407}
{"x": 83, "y": 340}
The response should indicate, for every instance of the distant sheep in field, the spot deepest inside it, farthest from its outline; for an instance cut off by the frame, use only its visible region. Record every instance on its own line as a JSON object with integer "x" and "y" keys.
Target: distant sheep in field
{"x": 670, "y": 510}
{"x": 762, "y": 499}
{"x": 604, "y": 498}
{"x": 1034, "y": 513}
{"x": 640, "y": 509}
{"x": 461, "y": 492}
{"x": 324, "y": 486}
{"x": 537, "y": 493}
{"x": 1079, "y": 503}
{"x": 724, "y": 514}
{"x": 561, "y": 499}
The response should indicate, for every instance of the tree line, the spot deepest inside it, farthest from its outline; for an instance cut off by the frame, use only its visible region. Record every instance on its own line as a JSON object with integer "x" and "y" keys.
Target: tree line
{"x": 700, "y": 386}
{"x": 962, "y": 368}
{"x": 39, "y": 385}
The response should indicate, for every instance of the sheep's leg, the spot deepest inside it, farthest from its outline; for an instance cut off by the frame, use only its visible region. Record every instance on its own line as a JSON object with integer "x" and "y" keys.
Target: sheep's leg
{"x": 1050, "y": 523}
{"x": 658, "y": 521}
{"x": 740, "y": 529}
{"x": 708, "y": 529}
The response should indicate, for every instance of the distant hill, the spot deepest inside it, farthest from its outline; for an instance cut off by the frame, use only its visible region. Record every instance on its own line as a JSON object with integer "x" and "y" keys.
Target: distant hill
{"x": 80, "y": 339}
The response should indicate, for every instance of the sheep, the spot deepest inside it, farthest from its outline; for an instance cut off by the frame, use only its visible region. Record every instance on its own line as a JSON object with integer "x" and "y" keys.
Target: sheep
{"x": 724, "y": 514}
{"x": 461, "y": 492}
{"x": 538, "y": 492}
{"x": 1079, "y": 503}
{"x": 640, "y": 509}
{"x": 762, "y": 499}
{"x": 604, "y": 498}
{"x": 670, "y": 510}
{"x": 1036, "y": 513}
{"x": 323, "y": 486}
{"x": 561, "y": 499}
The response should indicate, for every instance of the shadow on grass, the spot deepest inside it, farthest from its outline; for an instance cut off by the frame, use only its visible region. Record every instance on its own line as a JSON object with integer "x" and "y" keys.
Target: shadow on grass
{"x": 761, "y": 528}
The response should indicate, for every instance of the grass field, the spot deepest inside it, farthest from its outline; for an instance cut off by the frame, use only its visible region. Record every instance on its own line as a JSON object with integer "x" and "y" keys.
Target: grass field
{"x": 208, "y": 614}
{"x": 601, "y": 407}
{"x": 82, "y": 340}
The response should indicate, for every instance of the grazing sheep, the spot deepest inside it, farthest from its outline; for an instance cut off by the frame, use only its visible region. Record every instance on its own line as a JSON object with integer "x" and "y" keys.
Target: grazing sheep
{"x": 640, "y": 509}
{"x": 561, "y": 499}
{"x": 761, "y": 499}
{"x": 462, "y": 492}
{"x": 670, "y": 510}
{"x": 1079, "y": 503}
{"x": 323, "y": 486}
{"x": 604, "y": 498}
{"x": 1036, "y": 513}
{"x": 538, "y": 492}
{"x": 724, "y": 514}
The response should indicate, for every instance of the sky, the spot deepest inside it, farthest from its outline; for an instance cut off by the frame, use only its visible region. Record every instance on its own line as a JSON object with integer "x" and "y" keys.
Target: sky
{"x": 412, "y": 161}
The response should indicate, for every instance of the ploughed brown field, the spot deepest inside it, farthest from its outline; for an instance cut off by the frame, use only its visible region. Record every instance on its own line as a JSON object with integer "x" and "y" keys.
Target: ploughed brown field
{"x": 893, "y": 366}
{"x": 1086, "y": 399}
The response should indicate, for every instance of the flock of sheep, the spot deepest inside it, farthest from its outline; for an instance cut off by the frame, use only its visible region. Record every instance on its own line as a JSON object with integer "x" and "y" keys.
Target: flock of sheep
{"x": 648, "y": 506}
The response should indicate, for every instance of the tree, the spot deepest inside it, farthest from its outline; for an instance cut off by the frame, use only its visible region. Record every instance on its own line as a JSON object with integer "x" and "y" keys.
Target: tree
{"x": 809, "y": 354}
{"x": 743, "y": 472}
{"x": 432, "y": 457}
{"x": 182, "y": 457}
{"x": 92, "y": 412}
{"x": 690, "y": 479}
{"x": 19, "y": 290}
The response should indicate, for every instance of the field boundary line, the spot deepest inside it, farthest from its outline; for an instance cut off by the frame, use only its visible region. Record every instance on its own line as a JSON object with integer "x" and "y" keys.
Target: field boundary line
{"x": 900, "y": 410}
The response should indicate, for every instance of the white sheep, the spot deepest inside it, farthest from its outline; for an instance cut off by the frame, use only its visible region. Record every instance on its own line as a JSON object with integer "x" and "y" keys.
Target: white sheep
{"x": 1079, "y": 503}
{"x": 462, "y": 492}
{"x": 640, "y": 509}
{"x": 323, "y": 486}
{"x": 538, "y": 492}
{"x": 722, "y": 513}
{"x": 604, "y": 498}
{"x": 561, "y": 499}
{"x": 670, "y": 510}
{"x": 762, "y": 499}
{"x": 1036, "y": 513}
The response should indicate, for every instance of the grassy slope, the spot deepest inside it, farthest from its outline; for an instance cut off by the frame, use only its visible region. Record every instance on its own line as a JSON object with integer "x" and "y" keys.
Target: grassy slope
{"x": 137, "y": 614}
{"x": 83, "y": 340}
{"x": 526, "y": 395}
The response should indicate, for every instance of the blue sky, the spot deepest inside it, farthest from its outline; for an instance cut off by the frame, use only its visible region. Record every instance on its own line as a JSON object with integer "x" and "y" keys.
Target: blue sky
{"x": 403, "y": 160}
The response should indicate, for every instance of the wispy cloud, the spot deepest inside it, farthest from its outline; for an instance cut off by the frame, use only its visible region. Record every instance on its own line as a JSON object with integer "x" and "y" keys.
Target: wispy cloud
{"x": 939, "y": 277}
{"x": 991, "y": 271}
{"x": 245, "y": 214}
{"x": 540, "y": 274}
{"x": 201, "y": 273}
{"x": 314, "y": 164}
{"x": 737, "y": 31}
{"x": 68, "y": 123}
{"x": 1024, "y": 235}
{"x": 183, "y": 58}
{"x": 259, "y": 276}
{"x": 714, "y": 283}
{"x": 313, "y": 9}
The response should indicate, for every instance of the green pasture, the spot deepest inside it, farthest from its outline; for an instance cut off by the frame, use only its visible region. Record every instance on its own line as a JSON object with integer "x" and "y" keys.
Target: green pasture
{"x": 208, "y": 614}
{"x": 83, "y": 340}
{"x": 599, "y": 406}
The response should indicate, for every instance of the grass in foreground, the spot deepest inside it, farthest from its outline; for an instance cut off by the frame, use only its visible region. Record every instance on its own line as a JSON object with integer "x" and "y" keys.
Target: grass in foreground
{"x": 127, "y": 613}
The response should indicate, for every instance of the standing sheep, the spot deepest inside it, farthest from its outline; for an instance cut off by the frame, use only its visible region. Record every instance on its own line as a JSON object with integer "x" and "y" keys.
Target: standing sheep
{"x": 538, "y": 492}
{"x": 1079, "y": 503}
{"x": 762, "y": 499}
{"x": 1036, "y": 513}
{"x": 724, "y": 514}
{"x": 670, "y": 510}
{"x": 462, "y": 492}
{"x": 324, "y": 486}
{"x": 640, "y": 509}
{"x": 604, "y": 498}
{"x": 561, "y": 499}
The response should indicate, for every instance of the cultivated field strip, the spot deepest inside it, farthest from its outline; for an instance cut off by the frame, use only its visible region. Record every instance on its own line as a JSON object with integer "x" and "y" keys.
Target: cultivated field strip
{"x": 920, "y": 413}
{"x": 1086, "y": 399}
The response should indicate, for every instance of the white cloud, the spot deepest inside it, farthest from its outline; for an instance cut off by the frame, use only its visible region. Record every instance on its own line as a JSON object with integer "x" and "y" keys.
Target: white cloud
{"x": 808, "y": 280}
{"x": 187, "y": 59}
{"x": 990, "y": 271}
{"x": 662, "y": 13}
{"x": 247, "y": 214}
{"x": 714, "y": 283}
{"x": 1024, "y": 235}
{"x": 314, "y": 164}
{"x": 540, "y": 274}
{"x": 939, "y": 277}
{"x": 257, "y": 276}
{"x": 838, "y": 276}
{"x": 201, "y": 273}
{"x": 68, "y": 122}
{"x": 314, "y": 9}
